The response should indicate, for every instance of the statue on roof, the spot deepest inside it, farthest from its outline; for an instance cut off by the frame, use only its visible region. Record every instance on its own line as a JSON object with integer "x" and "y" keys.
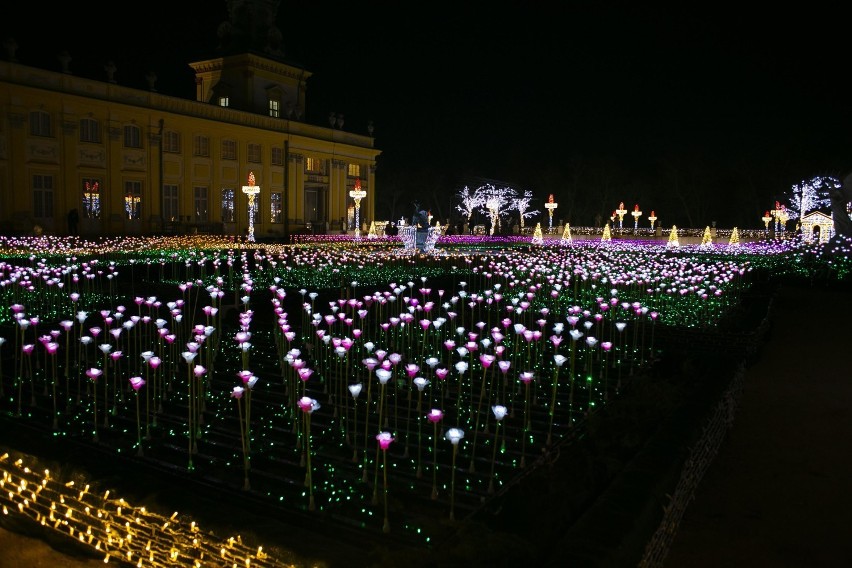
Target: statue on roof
{"x": 251, "y": 27}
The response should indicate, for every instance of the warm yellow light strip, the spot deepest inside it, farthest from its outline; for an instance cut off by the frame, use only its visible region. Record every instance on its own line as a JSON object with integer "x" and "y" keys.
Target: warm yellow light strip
{"x": 116, "y": 529}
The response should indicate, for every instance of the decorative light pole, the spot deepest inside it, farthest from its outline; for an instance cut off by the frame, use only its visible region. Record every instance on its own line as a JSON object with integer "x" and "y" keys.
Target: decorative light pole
{"x": 782, "y": 216}
{"x": 454, "y": 435}
{"x": 652, "y": 219}
{"x": 636, "y": 214}
{"x": 251, "y": 190}
{"x": 774, "y": 214}
{"x": 621, "y": 212}
{"x": 767, "y": 218}
{"x": 357, "y": 194}
{"x": 550, "y": 206}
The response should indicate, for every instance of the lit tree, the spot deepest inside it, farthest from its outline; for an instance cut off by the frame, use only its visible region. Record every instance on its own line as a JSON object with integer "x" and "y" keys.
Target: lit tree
{"x": 522, "y": 204}
{"x": 497, "y": 202}
{"x": 809, "y": 195}
{"x": 469, "y": 201}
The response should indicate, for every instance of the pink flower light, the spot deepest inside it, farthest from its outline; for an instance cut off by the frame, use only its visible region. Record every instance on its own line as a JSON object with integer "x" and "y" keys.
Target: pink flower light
{"x": 435, "y": 415}
{"x": 308, "y": 404}
{"x": 384, "y": 439}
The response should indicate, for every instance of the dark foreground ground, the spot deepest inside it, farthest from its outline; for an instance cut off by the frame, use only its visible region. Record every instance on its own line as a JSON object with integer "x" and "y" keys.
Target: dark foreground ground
{"x": 774, "y": 496}
{"x": 777, "y": 493}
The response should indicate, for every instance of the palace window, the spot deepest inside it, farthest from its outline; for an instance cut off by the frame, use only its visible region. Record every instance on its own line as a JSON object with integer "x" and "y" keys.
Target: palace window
{"x": 224, "y": 102}
{"x": 91, "y": 198}
{"x": 40, "y": 124}
{"x": 254, "y": 153}
{"x": 132, "y": 199}
{"x": 171, "y": 142}
{"x": 274, "y": 108}
{"x": 229, "y": 150}
{"x": 200, "y": 194}
{"x": 132, "y": 136}
{"x": 354, "y": 170}
{"x": 170, "y": 202}
{"x": 201, "y": 146}
{"x": 314, "y": 165}
{"x": 90, "y": 131}
{"x": 277, "y": 156}
{"x": 228, "y": 206}
{"x": 42, "y": 196}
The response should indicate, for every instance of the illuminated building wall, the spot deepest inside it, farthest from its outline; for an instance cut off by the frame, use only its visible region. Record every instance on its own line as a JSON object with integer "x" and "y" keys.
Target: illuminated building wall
{"x": 171, "y": 159}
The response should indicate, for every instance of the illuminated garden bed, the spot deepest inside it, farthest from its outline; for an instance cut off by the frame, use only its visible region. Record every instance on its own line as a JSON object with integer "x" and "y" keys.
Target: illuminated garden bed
{"x": 326, "y": 381}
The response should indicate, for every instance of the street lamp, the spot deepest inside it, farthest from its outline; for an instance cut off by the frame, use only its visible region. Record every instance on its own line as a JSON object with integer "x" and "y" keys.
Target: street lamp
{"x": 251, "y": 190}
{"x": 652, "y": 219}
{"x": 550, "y": 206}
{"x": 636, "y": 214}
{"x": 357, "y": 194}
{"x": 621, "y": 212}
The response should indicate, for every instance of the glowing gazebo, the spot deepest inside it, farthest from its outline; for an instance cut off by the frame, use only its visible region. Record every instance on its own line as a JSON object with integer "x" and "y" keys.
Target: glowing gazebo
{"x": 817, "y": 220}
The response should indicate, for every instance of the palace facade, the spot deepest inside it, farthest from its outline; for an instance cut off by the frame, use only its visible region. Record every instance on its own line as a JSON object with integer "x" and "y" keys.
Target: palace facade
{"x": 134, "y": 161}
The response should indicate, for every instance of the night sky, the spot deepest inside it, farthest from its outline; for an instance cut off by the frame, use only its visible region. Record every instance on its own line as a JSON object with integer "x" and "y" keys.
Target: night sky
{"x": 699, "y": 112}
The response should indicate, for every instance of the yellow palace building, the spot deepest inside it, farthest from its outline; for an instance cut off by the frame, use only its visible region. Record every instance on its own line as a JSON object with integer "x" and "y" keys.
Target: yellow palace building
{"x": 134, "y": 161}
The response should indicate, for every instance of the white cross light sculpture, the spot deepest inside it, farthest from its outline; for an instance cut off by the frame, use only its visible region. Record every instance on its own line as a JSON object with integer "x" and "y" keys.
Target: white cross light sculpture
{"x": 636, "y": 214}
{"x": 767, "y": 218}
{"x": 621, "y": 212}
{"x": 550, "y": 206}
{"x": 251, "y": 190}
{"x": 357, "y": 194}
{"x": 652, "y": 219}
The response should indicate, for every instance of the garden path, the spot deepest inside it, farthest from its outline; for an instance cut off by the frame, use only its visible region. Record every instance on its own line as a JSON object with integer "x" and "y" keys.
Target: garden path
{"x": 777, "y": 493}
